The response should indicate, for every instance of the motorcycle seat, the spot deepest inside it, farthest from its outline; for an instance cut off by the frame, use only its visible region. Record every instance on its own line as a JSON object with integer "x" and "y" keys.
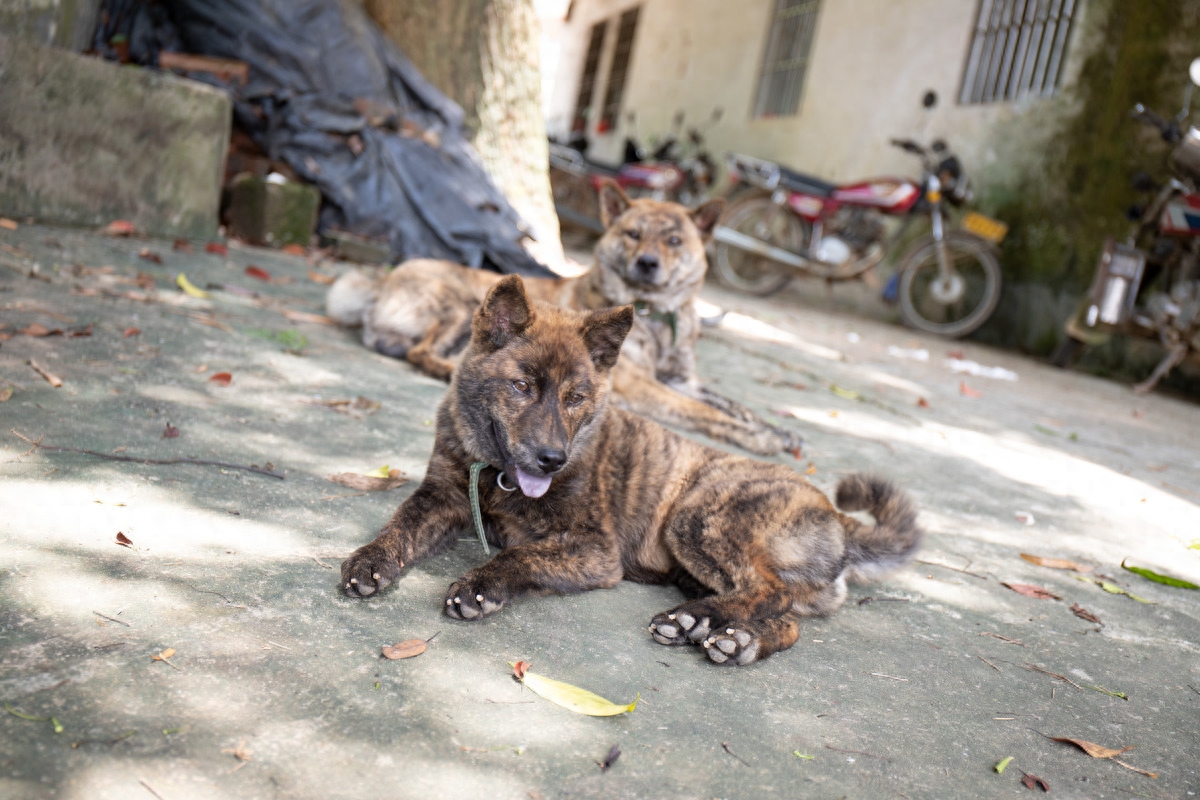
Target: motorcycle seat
{"x": 602, "y": 169}
{"x": 799, "y": 182}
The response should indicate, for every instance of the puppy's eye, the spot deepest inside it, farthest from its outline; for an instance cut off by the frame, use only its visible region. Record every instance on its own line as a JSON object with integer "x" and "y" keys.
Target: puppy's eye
{"x": 674, "y": 241}
{"x": 521, "y": 386}
{"x": 635, "y": 235}
{"x": 575, "y": 399}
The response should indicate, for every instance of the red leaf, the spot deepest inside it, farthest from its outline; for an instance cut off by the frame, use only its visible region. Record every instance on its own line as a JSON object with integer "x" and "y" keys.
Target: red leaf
{"x": 132, "y": 332}
{"x": 82, "y": 331}
{"x": 1084, "y": 614}
{"x": 171, "y": 432}
{"x": 519, "y": 669}
{"x": 922, "y": 402}
{"x": 259, "y": 273}
{"x": 967, "y": 391}
{"x": 182, "y": 246}
{"x": 1036, "y": 592}
{"x": 221, "y": 378}
{"x": 119, "y": 227}
{"x": 1034, "y": 782}
{"x": 124, "y": 540}
{"x": 150, "y": 255}
{"x": 216, "y": 248}
{"x": 37, "y": 329}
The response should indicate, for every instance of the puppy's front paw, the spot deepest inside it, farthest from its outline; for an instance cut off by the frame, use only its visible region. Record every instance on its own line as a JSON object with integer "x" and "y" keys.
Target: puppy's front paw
{"x": 732, "y": 646}
{"x": 471, "y": 598}
{"x": 680, "y": 626}
{"x": 368, "y": 569}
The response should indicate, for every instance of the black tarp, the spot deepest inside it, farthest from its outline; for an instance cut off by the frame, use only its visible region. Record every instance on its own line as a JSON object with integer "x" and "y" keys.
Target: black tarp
{"x": 321, "y": 73}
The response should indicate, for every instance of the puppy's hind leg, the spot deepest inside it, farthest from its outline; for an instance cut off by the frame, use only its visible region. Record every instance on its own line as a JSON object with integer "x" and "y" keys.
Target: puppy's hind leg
{"x": 747, "y": 642}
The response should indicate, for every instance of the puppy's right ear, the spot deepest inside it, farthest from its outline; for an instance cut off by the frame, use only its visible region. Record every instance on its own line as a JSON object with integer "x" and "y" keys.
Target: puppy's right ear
{"x": 504, "y": 315}
{"x": 613, "y": 202}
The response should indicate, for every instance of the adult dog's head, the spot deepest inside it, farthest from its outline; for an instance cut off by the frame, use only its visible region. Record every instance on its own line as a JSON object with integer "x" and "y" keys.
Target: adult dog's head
{"x": 533, "y": 384}
{"x": 652, "y": 251}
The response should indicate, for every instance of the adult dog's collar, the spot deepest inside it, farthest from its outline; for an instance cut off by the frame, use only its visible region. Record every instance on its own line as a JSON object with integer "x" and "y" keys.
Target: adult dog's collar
{"x": 643, "y": 309}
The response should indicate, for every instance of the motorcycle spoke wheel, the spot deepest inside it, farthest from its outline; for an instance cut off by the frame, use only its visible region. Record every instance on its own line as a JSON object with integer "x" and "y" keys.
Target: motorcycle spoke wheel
{"x": 955, "y": 306}
{"x": 767, "y": 222}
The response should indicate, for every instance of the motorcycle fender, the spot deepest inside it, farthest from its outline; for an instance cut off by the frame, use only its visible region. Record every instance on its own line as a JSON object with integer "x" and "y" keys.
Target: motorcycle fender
{"x": 1076, "y": 327}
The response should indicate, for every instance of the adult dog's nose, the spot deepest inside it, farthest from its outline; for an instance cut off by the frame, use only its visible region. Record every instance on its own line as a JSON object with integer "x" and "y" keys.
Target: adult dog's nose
{"x": 551, "y": 459}
{"x": 646, "y": 264}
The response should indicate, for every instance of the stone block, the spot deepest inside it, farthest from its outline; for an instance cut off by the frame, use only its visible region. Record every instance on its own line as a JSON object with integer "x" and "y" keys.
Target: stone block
{"x": 85, "y": 142}
{"x": 262, "y": 212}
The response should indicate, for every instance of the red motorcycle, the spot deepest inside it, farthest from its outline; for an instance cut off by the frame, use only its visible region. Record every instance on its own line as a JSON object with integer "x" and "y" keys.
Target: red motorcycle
{"x": 948, "y": 282}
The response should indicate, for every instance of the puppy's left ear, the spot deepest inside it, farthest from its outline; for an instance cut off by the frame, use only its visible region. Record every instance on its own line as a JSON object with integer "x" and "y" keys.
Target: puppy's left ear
{"x": 604, "y": 331}
{"x": 705, "y": 217}
{"x": 504, "y": 315}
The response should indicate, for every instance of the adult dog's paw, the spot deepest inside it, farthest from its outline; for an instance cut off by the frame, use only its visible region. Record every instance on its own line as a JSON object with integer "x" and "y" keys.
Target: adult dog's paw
{"x": 368, "y": 569}
{"x": 470, "y": 597}
{"x": 679, "y": 627}
{"x": 732, "y": 646}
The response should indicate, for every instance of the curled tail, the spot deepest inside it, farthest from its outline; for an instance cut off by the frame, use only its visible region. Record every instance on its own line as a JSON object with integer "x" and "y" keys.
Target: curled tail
{"x": 350, "y": 295}
{"x": 891, "y": 542}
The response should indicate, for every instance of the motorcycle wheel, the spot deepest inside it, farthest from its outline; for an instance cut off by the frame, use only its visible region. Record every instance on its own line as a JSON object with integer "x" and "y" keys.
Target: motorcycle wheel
{"x": 767, "y": 222}
{"x": 966, "y": 302}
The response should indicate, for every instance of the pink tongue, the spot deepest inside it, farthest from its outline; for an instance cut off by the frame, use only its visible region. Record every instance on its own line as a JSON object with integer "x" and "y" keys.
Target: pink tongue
{"x": 532, "y": 485}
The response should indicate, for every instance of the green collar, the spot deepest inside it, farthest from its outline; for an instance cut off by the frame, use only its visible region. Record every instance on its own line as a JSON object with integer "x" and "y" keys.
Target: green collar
{"x": 473, "y": 493}
{"x": 643, "y": 309}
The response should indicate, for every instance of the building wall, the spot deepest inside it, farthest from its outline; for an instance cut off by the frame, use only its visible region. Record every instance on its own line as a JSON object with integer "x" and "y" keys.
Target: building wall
{"x": 871, "y": 63}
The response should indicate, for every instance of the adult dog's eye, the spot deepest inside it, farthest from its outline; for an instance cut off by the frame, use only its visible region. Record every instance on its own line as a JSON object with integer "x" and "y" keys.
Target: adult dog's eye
{"x": 632, "y": 234}
{"x": 575, "y": 399}
{"x": 521, "y": 386}
{"x": 674, "y": 241}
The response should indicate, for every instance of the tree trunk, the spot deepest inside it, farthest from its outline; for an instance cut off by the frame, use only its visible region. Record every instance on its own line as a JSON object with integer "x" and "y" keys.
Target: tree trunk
{"x": 484, "y": 55}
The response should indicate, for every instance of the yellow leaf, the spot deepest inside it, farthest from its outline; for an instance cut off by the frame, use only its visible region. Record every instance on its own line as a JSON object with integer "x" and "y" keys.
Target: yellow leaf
{"x": 188, "y": 287}
{"x": 1056, "y": 563}
{"x": 1091, "y": 748}
{"x": 581, "y": 701}
{"x": 382, "y": 472}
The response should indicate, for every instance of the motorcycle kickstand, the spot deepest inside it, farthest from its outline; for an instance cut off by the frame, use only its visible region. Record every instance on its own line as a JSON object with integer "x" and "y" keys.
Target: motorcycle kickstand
{"x": 1175, "y": 355}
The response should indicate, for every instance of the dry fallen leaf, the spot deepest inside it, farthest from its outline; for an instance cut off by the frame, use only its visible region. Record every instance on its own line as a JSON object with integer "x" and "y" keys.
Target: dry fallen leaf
{"x": 6, "y": 394}
{"x": 1057, "y": 563}
{"x": 149, "y": 255}
{"x": 321, "y": 278}
{"x": 125, "y": 541}
{"x": 365, "y": 483}
{"x": 519, "y": 669}
{"x": 812, "y": 469}
{"x": 922, "y": 402}
{"x": 220, "y": 378}
{"x": 1034, "y": 782}
{"x": 572, "y": 698}
{"x": 50, "y": 377}
{"x": 1036, "y": 592}
{"x": 132, "y": 332}
{"x": 405, "y": 649}
{"x": 1091, "y": 748}
{"x": 164, "y": 655}
{"x": 119, "y": 227}
{"x": 8, "y": 224}
{"x": 967, "y": 391}
{"x": 182, "y": 246}
{"x": 171, "y": 432}
{"x": 258, "y": 273}
{"x": 1084, "y": 614}
{"x": 216, "y": 248}
{"x": 294, "y": 249}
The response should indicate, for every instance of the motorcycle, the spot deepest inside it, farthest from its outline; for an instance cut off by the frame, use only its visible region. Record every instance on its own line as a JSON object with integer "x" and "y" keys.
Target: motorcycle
{"x": 1149, "y": 284}
{"x": 948, "y": 282}
{"x": 669, "y": 172}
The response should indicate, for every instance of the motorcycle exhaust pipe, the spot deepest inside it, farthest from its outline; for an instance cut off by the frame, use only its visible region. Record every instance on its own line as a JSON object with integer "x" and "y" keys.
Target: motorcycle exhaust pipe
{"x": 748, "y": 243}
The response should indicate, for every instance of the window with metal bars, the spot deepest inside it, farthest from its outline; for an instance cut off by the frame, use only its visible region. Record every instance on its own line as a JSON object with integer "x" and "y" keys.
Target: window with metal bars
{"x": 785, "y": 60}
{"x": 619, "y": 70}
{"x": 587, "y": 81}
{"x": 1018, "y": 49}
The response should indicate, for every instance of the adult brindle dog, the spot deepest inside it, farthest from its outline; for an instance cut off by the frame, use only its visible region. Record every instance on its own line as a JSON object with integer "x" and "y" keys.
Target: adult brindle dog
{"x": 580, "y": 495}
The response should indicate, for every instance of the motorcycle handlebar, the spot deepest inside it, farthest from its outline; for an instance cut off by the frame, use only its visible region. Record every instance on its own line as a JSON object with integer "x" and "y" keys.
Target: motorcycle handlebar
{"x": 1169, "y": 130}
{"x": 908, "y": 146}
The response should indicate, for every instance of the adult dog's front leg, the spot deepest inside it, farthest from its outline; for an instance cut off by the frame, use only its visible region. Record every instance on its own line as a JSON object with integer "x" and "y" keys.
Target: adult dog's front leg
{"x": 565, "y": 564}
{"x": 422, "y": 525}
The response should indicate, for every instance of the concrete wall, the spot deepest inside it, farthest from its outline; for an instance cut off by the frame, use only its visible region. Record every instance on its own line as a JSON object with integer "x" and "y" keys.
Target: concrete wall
{"x": 871, "y": 63}
{"x": 63, "y": 23}
{"x": 85, "y": 141}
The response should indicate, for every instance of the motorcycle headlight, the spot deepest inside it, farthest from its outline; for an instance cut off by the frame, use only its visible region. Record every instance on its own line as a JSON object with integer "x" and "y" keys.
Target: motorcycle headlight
{"x": 664, "y": 179}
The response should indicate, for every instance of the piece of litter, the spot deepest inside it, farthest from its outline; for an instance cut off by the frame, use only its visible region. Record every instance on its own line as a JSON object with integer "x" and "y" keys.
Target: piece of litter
{"x": 958, "y": 365}
{"x": 914, "y": 355}
{"x": 1025, "y": 518}
{"x": 853, "y": 338}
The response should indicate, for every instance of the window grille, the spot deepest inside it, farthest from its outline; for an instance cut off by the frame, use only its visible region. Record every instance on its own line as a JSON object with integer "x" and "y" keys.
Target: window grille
{"x": 785, "y": 61}
{"x": 1018, "y": 49}
{"x": 587, "y": 81}
{"x": 619, "y": 70}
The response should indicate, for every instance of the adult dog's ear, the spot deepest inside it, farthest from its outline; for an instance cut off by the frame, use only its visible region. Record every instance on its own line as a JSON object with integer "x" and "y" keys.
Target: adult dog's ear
{"x": 505, "y": 313}
{"x": 613, "y": 202}
{"x": 705, "y": 217}
{"x": 603, "y": 332}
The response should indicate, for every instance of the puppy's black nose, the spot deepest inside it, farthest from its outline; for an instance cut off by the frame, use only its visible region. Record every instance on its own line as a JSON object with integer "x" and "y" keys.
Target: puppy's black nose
{"x": 646, "y": 263}
{"x": 551, "y": 460}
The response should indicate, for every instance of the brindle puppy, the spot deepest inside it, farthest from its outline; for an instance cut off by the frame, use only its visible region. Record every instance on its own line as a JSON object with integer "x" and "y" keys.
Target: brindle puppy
{"x": 651, "y": 256}
{"x": 580, "y": 495}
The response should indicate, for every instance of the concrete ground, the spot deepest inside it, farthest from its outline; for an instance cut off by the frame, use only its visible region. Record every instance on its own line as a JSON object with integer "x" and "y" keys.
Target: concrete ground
{"x": 918, "y": 687}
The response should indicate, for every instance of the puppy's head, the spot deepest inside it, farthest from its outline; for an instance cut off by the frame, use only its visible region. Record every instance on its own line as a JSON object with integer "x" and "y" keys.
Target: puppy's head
{"x": 652, "y": 251}
{"x": 533, "y": 383}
